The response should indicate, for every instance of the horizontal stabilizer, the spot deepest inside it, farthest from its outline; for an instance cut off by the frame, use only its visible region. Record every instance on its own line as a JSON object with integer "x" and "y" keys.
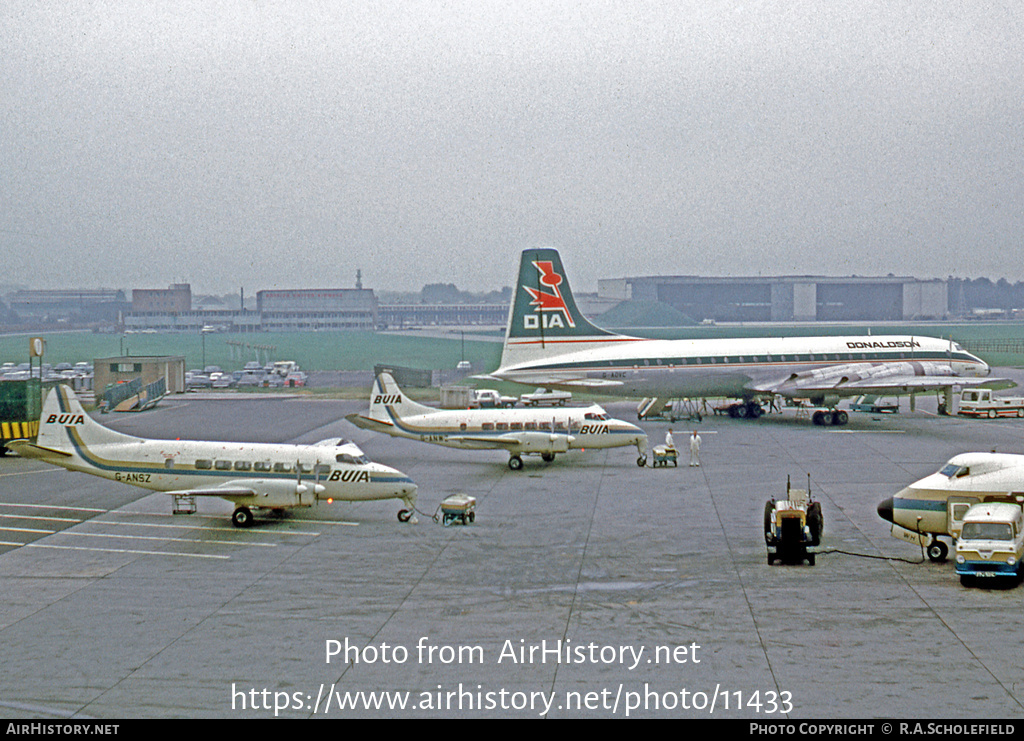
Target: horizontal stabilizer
{"x": 28, "y": 449}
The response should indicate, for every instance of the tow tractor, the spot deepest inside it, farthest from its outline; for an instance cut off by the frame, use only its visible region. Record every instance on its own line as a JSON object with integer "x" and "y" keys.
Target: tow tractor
{"x": 793, "y": 526}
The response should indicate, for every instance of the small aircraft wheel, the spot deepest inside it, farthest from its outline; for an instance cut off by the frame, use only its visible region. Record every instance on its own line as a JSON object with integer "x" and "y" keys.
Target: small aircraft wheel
{"x": 241, "y": 517}
{"x": 937, "y": 551}
{"x": 515, "y": 463}
{"x": 547, "y": 457}
{"x": 810, "y": 559}
{"x": 641, "y": 461}
{"x": 404, "y": 515}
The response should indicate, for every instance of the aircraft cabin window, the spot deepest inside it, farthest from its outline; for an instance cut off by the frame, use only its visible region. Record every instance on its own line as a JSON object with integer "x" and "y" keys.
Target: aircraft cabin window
{"x": 560, "y": 426}
{"x": 204, "y": 464}
{"x": 544, "y": 426}
{"x": 487, "y": 426}
{"x": 502, "y": 426}
{"x": 222, "y": 465}
{"x": 321, "y": 469}
{"x": 516, "y": 426}
{"x": 304, "y": 467}
{"x": 261, "y": 466}
{"x": 243, "y": 465}
{"x": 529, "y": 425}
{"x": 462, "y": 426}
{"x": 283, "y": 467}
{"x": 169, "y": 463}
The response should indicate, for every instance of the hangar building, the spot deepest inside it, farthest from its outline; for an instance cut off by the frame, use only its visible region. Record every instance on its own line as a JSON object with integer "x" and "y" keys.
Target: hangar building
{"x": 788, "y": 298}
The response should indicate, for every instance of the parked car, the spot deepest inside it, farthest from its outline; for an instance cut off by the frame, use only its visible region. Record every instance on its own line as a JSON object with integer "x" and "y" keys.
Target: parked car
{"x": 546, "y": 396}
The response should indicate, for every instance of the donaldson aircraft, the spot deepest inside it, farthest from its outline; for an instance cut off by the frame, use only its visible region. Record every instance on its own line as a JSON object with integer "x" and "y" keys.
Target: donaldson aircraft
{"x": 935, "y": 505}
{"x": 548, "y": 342}
{"x": 250, "y": 475}
{"x": 519, "y": 431}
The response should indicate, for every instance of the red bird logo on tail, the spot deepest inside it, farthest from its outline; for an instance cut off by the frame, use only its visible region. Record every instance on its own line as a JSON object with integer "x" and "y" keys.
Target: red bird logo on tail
{"x": 549, "y": 302}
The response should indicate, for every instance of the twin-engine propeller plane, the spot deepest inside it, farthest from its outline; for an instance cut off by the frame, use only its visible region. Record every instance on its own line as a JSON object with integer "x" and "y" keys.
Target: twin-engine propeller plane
{"x": 935, "y": 505}
{"x": 549, "y": 343}
{"x": 250, "y": 475}
{"x": 518, "y": 431}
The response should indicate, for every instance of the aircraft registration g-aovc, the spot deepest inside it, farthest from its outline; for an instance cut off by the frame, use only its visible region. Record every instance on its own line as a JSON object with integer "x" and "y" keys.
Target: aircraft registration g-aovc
{"x": 548, "y": 342}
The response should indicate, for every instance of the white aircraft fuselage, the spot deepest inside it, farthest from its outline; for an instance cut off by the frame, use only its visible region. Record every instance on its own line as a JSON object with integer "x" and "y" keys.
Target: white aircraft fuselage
{"x": 548, "y": 342}
{"x": 251, "y": 475}
{"x": 533, "y": 431}
{"x": 935, "y": 505}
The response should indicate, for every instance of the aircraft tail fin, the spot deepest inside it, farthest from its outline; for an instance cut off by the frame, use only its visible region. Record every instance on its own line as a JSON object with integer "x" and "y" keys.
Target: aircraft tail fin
{"x": 64, "y": 424}
{"x": 387, "y": 401}
{"x": 544, "y": 319}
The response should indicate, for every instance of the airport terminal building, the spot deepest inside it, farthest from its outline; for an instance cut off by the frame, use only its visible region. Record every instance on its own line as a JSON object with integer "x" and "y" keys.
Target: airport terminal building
{"x": 788, "y": 298}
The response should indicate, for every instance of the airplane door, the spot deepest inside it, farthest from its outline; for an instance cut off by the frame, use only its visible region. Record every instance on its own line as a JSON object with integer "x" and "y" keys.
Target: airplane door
{"x": 956, "y": 508}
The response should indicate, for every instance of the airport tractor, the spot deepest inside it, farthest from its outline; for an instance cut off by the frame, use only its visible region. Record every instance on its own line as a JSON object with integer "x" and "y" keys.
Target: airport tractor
{"x": 793, "y": 526}
{"x": 991, "y": 543}
{"x": 983, "y": 403}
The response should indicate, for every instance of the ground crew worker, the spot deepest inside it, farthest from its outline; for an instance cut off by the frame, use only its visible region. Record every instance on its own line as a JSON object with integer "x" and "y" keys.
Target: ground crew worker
{"x": 695, "y": 449}
{"x": 670, "y": 441}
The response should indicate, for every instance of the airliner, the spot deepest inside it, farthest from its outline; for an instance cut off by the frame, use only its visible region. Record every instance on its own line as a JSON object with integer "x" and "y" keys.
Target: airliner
{"x": 253, "y": 476}
{"x": 935, "y": 505}
{"x": 548, "y": 342}
{"x": 518, "y": 431}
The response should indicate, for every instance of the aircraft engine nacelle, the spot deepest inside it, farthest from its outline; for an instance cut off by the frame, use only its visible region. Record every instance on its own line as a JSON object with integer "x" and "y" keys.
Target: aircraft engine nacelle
{"x": 274, "y": 493}
{"x": 543, "y": 442}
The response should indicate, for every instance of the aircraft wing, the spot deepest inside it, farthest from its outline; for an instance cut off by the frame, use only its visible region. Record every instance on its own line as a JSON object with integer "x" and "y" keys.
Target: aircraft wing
{"x": 225, "y": 492}
{"x": 837, "y": 381}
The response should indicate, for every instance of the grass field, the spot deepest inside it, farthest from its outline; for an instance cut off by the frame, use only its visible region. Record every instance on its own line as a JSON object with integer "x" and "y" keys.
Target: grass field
{"x": 362, "y": 350}
{"x": 311, "y": 350}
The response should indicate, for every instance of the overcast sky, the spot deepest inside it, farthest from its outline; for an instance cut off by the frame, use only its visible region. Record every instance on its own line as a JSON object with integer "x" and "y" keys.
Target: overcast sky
{"x": 243, "y": 143}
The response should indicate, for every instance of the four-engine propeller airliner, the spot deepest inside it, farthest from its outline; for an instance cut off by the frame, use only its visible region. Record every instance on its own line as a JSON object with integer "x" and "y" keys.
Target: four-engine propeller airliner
{"x": 548, "y": 342}
{"x": 251, "y": 475}
{"x": 518, "y": 431}
{"x": 935, "y": 505}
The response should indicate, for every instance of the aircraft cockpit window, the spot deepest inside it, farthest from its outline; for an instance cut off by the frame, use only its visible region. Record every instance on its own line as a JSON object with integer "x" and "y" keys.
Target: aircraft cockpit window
{"x": 951, "y": 470}
{"x": 354, "y": 460}
{"x": 987, "y": 531}
{"x": 595, "y": 415}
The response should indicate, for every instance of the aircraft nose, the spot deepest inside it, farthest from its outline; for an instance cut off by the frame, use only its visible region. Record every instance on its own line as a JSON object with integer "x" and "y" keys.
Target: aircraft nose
{"x": 885, "y": 509}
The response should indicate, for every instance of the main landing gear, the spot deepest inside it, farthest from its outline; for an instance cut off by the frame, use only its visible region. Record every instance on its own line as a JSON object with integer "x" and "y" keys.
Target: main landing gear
{"x": 830, "y": 418}
{"x": 746, "y": 410}
{"x": 242, "y": 517}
